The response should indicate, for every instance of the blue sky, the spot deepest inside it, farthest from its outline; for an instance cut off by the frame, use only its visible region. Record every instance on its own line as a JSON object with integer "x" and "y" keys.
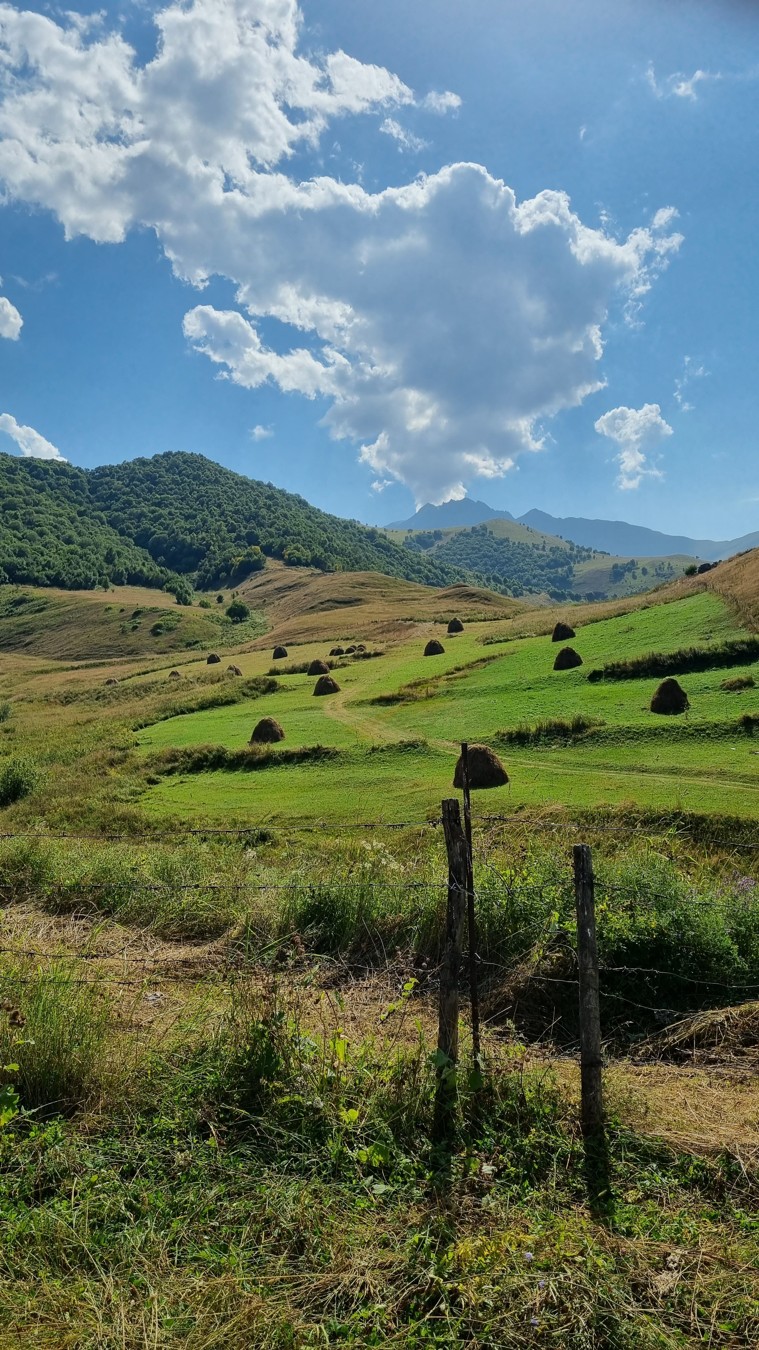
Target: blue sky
{"x": 379, "y": 254}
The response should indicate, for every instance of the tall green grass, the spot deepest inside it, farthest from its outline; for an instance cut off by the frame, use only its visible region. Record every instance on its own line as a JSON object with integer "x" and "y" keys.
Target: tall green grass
{"x": 53, "y": 1028}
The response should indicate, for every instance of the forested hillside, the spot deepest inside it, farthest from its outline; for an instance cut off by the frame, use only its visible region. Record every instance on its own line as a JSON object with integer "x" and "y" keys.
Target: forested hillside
{"x": 147, "y": 520}
{"x": 52, "y": 534}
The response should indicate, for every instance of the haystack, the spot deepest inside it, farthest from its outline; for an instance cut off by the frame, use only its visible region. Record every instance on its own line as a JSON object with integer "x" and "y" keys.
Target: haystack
{"x": 455, "y": 626}
{"x": 111, "y": 680}
{"x": 336, "y": 651}
{"x": 266, "y": 731}
{"x": 213, "y": 659}
{"x": 326, "y": 685}
{"x": 318, "y": 668}
{"x": 434, "y": 648}
{"x": 485, "y": 769}
{"x": 174, "y": 675}
{"x": 234, "y": 670}
{"x": 562, "y": 632}
{"x": 360, "y": 647}
{"x": 669, "y": 698}
{"x": 279, "y": 653}
{"x": 349, "y": 651}
{"x": 567, "y": 659}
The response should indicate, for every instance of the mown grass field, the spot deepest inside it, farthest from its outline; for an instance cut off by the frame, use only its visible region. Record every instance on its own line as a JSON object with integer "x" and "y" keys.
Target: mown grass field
{"x": 397, "y": 758}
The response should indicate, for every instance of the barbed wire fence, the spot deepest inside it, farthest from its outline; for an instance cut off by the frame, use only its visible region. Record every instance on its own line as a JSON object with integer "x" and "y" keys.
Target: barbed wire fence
{"x": 458, "y": 972}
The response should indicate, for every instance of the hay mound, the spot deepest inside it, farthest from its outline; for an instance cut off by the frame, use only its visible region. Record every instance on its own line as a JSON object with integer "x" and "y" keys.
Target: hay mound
{"x": 485, "y": 769}
{"x": 266, "y": 731}
{"x": 213, "y": 659}
{"x": 562, "y": 632}
{"x": 279, "y": 654}
{"x": 318, "y": 668}
{"x": 111, "y": 680}
{"x": 455, "y": 626}
{"x": 349, "y": 651}
{"x": 234, "y": 670}
{"x": 434, "y": 648}
{"x": 360, "y": 647}
{"x": 567, "y": 659}
{"x": 336, "y": 651}
{"x": 670, "y": 698}
{"x": 326, "y": 685}
{"x": 715, "y": 1036}
{"x": 174, "y": 675}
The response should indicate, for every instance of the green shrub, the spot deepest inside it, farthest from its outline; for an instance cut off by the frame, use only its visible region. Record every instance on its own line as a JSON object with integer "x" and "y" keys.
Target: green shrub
{"x": 18, "y": 778}
{"x": 238, "y": 611}
{"x": 5, "y": 710}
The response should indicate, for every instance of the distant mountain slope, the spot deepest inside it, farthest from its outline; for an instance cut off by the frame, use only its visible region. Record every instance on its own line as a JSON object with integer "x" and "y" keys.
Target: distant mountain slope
{"x": 616, "y": 536}
{"x": 463, "y": 512}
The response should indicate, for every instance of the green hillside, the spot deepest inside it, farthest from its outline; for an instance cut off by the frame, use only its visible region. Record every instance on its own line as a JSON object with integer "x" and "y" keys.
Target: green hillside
{"x": 516, "y": 558}
{"x": 53, "y": 534}
{"x": 198, "y": 518}
{"x": 147, "y": 520}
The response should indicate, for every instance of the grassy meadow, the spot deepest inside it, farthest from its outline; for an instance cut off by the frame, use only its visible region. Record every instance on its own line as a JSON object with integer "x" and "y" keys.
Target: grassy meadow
{"x": 218, "y": 989}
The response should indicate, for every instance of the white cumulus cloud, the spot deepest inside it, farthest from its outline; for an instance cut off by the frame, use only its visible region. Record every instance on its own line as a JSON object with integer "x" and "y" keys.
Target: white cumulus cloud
{"x": 31, "y": 444}
{"x": 11, "y": 322}
{"x": 635, "y": 431}
{"x": 260, "y": 433}
{"x": 439, "y": 324}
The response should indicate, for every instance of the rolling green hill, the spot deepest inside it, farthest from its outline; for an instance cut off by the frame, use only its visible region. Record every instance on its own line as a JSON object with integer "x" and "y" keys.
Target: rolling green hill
{"x": 511, "y": 556}
{"x": 148, "y": 521}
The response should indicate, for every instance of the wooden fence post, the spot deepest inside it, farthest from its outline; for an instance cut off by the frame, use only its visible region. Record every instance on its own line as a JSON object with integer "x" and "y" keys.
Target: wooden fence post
{"x": 474, "y": 992}
{"x": 448, "y": 1013}
{"x": 590, "y": 1015}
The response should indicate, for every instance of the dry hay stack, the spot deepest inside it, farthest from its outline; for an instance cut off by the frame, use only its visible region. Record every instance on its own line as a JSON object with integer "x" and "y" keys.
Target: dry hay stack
{"x": 318, "y": 668}
{"x": 279, "y": 654}
{"x": 111, "y": 680}
{"x": 213, "y": 659}
{"x": 562, "y": 632}
{"x": 349, "y": 651}
{"x": 485, "y": 769}
{"x": 336, "y": 651}
{"x": 266, "y": 731}
{"x": 455, "y": 626}
{"x": 326, "y": 685}
{"x": 669, "y": 698}
{"x": 360, "y": 647}
{"x": 234, "y": 670}
{"x": 567, "y": 659}
{"x": 174, "y": 675}
{"x": 434, "y": 648}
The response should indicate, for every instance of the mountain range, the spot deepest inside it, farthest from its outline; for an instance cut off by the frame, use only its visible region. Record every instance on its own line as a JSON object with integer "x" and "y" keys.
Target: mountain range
{"x": 607, "y": 536}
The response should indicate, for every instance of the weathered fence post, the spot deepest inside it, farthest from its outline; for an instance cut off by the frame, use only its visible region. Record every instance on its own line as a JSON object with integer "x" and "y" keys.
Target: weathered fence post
{"x": 448, "y": 1014}
{"x": 474, "y": 992}
{"x": 590, "y": 1015}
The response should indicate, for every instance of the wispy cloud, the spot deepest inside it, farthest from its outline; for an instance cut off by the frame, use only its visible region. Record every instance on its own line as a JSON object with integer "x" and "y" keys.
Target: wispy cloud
{"x": 691, "y": 372}
{"x": 405, "y": 139}
{"x": 260, "y": 433}
{"x": 679, "y": 85}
